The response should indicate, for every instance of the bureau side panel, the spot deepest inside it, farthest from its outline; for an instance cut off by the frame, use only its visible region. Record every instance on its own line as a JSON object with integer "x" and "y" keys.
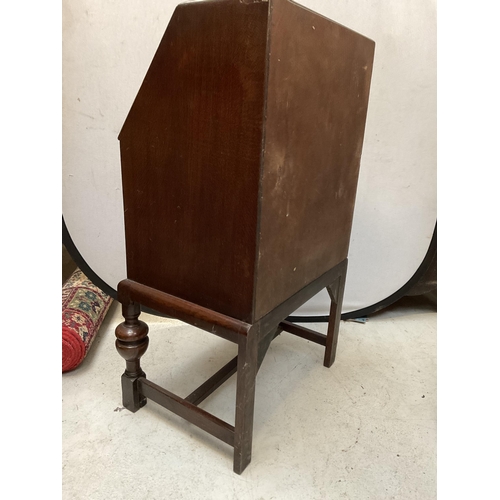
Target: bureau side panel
{"x": 190, "y": 151}
{"x": 319, "y": 79}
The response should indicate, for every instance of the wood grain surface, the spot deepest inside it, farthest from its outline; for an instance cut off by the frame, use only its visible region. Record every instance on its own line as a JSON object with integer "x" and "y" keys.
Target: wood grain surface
{"x": 240, "y": 155}
{"x": 317, "y": 98}
{"x": 191, "y": 152}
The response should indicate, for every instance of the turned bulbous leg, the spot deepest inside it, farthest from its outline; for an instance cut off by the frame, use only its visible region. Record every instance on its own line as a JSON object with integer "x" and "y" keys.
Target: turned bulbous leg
{"x": 131, "y": 343}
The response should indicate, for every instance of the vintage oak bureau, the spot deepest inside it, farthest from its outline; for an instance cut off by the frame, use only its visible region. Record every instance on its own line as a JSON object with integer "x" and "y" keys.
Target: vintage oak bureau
{"x": 240, "y": 160}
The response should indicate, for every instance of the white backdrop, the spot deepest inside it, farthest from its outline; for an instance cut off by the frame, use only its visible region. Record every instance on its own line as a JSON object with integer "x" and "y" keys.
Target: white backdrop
{"x": 107, "y": 48}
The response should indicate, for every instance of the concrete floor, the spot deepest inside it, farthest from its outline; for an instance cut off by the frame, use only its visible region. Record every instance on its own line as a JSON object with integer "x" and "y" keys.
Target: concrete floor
{"x": 364, "y": 429}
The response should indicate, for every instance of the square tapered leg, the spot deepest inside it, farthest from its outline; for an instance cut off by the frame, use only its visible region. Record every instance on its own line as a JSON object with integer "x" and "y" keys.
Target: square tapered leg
{"x": 336, "y": 292}
{"x": 245, "y": 399}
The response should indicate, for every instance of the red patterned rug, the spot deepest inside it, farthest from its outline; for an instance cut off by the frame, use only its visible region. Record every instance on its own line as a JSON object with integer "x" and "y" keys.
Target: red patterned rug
{"x": 84, "y": 307}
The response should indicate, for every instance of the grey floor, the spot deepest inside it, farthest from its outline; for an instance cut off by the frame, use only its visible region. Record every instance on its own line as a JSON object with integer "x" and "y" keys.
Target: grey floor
{"x": 364, "y": 429}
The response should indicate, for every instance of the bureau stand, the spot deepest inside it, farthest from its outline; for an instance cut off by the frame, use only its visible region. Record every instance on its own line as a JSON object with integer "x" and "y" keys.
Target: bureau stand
{"x": 253, "y": 342}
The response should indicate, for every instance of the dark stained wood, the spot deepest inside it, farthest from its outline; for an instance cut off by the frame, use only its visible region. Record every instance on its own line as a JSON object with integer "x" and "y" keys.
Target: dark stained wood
{"x": 188, "y": 411}
{"x": 317, "y": 98}
{"x": 240, "y": 155}
{"x": 191, "y": 151}
{"x": 131, "y": 343}
{"x": 336, "y": 292}
{"x": 240, "y": 159}
{"x": 279, "y": 313}
{"x": 201, "y": 317}
{"x": 264, "y": 344}
{"x": 253, "y": 342}
{"x": 213, "y": 383}
{"x": 245, "y": 400}
{"x": 305, "y": 333}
